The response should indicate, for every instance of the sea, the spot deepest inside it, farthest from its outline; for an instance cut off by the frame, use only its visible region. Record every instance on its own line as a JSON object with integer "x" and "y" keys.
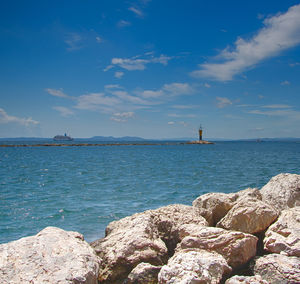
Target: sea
{"x": 84, "y": 188}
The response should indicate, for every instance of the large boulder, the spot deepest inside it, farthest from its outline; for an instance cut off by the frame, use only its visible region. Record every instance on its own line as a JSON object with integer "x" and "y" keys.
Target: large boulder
{"x": 214, "y": 206}
{"x": 143, "y": 273}
{"x": 51, "y": 256}
{"x": 282, "y": 191}
{"x": 236, "y": 247}
{"x": 149, "y": 237}
{"x": 278, "y": 269}
{"x": 194, "y": 266}
{"x": 249, "y": 216}
{"x": 256, "y": 279}
{"x": 284, "y": 235}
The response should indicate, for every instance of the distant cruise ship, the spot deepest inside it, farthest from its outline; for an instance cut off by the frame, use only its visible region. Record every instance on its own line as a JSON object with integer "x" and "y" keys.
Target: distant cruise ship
{"x": 62, "y": 138}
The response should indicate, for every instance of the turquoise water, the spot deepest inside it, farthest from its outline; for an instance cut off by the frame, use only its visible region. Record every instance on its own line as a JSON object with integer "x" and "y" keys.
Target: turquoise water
{"x": 85, "y": 188}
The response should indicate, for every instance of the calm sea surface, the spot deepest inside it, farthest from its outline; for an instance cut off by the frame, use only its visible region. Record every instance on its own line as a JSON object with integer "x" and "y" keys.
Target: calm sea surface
{"x": 84, "y": 188}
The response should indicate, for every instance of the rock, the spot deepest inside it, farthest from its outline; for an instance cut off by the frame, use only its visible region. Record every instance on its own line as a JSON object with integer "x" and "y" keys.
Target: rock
{"x": 213, "y": 206}
{"x": 284, "y": 235}
{"x": 282, "y": 191}
{"x": 278, "y": 269}
{"x": 194, "y": 266}
{"x": 149, "y": 237}
{"x": 236, "y": 247}
{"x": 51, "y": 256}
{"x": 143, "y": 273}
{"x": 248, "y": 194}
{"x": 249, "y": 216}
{"x": 256, "y": 279}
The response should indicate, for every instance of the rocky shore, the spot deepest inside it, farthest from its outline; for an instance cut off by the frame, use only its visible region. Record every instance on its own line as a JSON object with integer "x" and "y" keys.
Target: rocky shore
{"x": 251, "y": 236}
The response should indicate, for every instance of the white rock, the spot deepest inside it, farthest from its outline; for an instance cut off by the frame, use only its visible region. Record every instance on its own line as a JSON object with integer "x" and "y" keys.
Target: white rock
{"x": 236, "y": 247}
{"x": 194, "y": 266}
{"x": 257, "y": 279}
{"x": 282, "y": 191}
{"x": 284, "y": 235}
{"x": 51, "y": 256}
{"x": 278, "y": 269}
{"x": 249, "y": 216}
{"x": 143, "y": 237}
{"x": 143, "y": 273}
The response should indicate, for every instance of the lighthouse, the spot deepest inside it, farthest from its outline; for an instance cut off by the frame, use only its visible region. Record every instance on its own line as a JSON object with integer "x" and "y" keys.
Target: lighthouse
{"x": 200, "y": 133}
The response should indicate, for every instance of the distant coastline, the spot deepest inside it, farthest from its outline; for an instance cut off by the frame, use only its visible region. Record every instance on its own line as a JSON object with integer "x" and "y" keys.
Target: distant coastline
{"x": 140, "y": 139}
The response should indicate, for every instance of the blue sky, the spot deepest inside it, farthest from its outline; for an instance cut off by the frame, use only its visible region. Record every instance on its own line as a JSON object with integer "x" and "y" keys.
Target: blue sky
{"x": 154, "y": 69}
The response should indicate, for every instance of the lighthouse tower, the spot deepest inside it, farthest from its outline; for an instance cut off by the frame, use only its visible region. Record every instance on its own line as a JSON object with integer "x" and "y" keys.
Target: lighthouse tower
{"x": 200, "y": 133}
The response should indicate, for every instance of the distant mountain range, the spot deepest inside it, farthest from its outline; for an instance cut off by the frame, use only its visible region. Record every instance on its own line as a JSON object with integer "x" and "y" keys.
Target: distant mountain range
{"x": 134, "y": 138}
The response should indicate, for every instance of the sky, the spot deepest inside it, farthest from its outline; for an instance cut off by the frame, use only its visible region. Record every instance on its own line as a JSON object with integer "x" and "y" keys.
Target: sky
{"x": 150, "y": 68}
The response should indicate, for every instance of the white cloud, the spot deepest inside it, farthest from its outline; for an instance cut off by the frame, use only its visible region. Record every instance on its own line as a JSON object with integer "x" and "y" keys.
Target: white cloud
{"x": 277, "y": 106}
{"x": 294, "y": 64}
{"x": 171, "y": 122}
{"x": 6, "y": 118}
{"x": 73, "y": 41}
{"x": 119, "y": 74}
{"x": 137, "y": 63}
{"x": 223, "y": 102}
{"x": 278, "y": 112}
{"x": 279, "y": 33}
{"x": 129, "y": 98}
{"x": 169, "y": 90}
{"x": 185, "y": 106}
{"x": 96, "y": 101}
{"x": 136, "y": 11}
{"x": 122, "y": 116}
{"x": 64, "y": 111}
{"x": 181, "y": 115}
{"x": 57, "y": 93}
{"x": 99, "y": 39}
{"x": 206, "y": 85}
{"x": 123, "y": 23}
{"x": 113, "y": 86}
{"x": 285, "y": 83}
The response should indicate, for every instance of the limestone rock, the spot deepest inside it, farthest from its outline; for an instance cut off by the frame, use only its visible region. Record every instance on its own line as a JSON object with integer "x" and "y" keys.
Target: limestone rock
{"x": 282, "y": 191}
{"x": 256, "y": 279}
{"x": 236, "y": 247}
{"x": 249, "y": 216}
{"x": 143, "y": 273}
{"x": 194, "y": 266}
{"x": 51, "y": 256}
{"x": 213, "y": 206}
{"x": 133, "y": 240}
{"x": 248, "y": 194}
{"x": 278, "y": 269}
{"x": 284, "y": 235}
{"x": 144, "y": 237}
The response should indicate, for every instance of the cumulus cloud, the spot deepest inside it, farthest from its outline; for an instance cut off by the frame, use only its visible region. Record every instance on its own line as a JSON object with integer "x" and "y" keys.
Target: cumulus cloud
{"x": 137, "y": 63}
{"x": 279, "y": 33}
{"x": 6, "y": 118}
{"x": 223, "y": 102}
{"x": 64, "y": 111}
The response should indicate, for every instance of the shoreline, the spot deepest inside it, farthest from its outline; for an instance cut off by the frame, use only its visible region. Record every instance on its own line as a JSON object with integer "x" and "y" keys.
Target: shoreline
{"x": 222, "y": 237}
{"x": 107, "y": 144}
